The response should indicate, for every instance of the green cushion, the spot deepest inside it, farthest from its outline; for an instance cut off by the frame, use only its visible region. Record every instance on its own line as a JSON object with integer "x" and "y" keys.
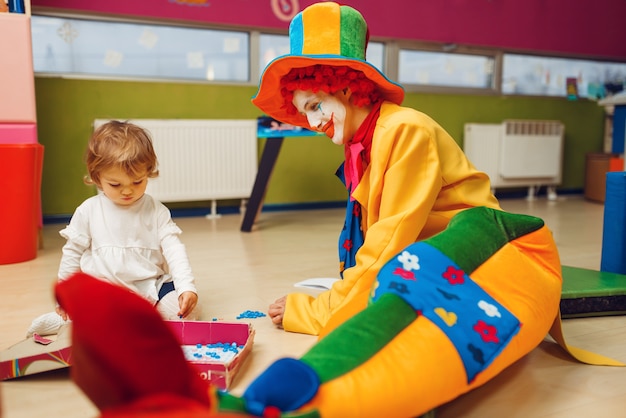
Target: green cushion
{"x": 592, "y": 293}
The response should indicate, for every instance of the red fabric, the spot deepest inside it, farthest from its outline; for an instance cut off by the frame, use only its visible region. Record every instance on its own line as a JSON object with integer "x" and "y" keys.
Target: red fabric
{"x": 166, "y": 406}
{"x": 358, "y": 150}
{"x": 122, "y": 351}
{"x": 161, "y": 405}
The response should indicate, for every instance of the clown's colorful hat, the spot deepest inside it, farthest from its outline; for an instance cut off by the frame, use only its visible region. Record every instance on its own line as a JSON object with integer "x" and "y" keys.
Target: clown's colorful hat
{"x": 323, "y": 33}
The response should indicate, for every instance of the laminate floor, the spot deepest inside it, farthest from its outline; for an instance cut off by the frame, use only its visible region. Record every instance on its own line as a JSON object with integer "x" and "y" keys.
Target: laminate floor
{"x": 238, "y": 271}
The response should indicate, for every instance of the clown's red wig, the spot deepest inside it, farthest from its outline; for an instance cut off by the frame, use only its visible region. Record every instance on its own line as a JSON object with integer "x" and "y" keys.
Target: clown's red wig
{"x": 329, "y": 79}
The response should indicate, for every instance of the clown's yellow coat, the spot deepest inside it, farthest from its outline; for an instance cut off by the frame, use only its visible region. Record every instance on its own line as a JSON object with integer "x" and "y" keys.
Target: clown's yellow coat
{"x": 417, "y": 181}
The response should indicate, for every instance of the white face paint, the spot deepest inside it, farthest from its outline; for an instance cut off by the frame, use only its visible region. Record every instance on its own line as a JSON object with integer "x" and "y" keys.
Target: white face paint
{"x": 325, "y": 113}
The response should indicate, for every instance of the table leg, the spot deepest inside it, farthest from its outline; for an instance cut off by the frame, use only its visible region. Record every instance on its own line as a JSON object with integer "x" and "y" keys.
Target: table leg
{"x": 266, "y": 165}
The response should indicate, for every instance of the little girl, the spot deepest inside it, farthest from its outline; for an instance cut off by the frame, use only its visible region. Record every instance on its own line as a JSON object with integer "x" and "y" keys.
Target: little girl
{"x": 123, "y": 235}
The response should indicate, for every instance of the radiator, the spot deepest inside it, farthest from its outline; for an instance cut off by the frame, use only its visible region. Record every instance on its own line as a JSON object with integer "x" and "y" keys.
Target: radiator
{"x": 202, "y": 159}
{"x": 518, "y": 153}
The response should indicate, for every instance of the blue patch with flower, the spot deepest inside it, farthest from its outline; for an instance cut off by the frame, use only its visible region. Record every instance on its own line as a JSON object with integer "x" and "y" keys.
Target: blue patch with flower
{"x": 477, "y": 325}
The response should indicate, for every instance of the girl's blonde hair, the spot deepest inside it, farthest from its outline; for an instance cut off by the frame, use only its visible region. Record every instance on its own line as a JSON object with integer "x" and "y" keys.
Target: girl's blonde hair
{"x": 120, "y": 144}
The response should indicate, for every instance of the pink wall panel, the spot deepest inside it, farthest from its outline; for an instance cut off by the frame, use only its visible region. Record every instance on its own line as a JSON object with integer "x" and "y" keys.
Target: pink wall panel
{"x": 584, "y": 28}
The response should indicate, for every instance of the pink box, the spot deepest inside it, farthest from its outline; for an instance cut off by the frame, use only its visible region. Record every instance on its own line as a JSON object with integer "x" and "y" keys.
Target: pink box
{"x": 219, "y": 373}
{"x": 18, "y": 133}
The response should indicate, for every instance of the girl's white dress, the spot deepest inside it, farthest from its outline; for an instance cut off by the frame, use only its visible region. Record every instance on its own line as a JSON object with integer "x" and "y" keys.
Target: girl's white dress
{"x": 136, "y": 246}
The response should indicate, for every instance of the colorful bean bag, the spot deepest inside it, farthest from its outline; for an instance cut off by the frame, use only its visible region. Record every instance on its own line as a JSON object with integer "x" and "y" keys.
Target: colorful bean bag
{"x": 446, "y": 315}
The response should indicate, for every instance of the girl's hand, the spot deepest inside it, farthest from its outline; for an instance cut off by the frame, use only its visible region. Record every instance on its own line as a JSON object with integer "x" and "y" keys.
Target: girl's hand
{"x": 62, "y": 313}
{"x": 277, "y": 311}
{"x": 187, "y": 301}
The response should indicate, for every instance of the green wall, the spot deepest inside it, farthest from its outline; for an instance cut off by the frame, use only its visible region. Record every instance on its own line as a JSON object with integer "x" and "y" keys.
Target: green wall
{"x": 305, "y": 169}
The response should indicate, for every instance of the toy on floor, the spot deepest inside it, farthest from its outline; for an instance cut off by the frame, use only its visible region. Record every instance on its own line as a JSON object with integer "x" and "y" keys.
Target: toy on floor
{"x": 438, "y": 326}
{"x": 36, "y": 354}
{"x": 248, "y": 314}
{"x": 223, "y": 352}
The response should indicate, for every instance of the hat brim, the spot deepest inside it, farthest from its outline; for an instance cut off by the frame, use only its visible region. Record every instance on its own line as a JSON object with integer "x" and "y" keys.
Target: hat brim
{"x": 270, "y": 100}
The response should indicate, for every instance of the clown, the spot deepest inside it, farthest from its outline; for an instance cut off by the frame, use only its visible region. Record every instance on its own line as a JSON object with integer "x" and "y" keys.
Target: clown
{"x": 406, "y": 176}
{"x": 441, "y": 289}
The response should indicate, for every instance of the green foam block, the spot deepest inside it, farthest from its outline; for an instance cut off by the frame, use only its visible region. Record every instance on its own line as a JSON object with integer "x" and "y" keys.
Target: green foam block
{"x": 592, "y": 293}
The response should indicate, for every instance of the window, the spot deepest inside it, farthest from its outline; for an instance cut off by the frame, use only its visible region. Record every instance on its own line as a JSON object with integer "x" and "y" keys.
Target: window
{"x": 445, "y": 69}
{"x": 105, "y": 48}
{"x": 376, "y": 54}
{"x": 271, "y": 47}
{"x": 99, "y": 48}
{"x": 542, "y": 76}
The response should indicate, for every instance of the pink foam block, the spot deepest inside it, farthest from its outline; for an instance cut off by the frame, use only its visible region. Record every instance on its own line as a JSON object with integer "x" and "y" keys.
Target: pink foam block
{"x": 17, "y": 81}
{"x": 18, "y": 133}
